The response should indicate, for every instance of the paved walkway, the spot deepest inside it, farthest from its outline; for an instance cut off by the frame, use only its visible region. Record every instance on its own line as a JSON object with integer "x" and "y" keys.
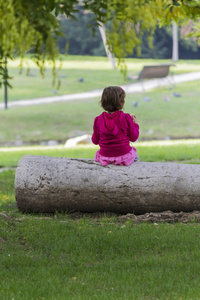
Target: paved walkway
{"x": 129, "y": 88}
{"x": 6, "y": 169}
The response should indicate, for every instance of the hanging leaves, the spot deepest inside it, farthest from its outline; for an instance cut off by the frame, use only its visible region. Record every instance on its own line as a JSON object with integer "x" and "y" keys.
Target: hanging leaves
{"x": 32, "y": 24}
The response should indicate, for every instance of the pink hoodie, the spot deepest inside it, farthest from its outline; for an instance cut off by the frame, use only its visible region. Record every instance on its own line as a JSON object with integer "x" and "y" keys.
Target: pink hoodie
{"x": 113, "y": 132}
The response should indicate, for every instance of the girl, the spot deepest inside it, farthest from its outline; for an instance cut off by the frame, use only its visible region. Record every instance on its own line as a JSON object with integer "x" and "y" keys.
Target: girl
{"x": 113, "y": 130}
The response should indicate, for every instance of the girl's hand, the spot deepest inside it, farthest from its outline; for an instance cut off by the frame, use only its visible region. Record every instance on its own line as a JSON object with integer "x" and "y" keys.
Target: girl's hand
{"x": 135, "y": 120}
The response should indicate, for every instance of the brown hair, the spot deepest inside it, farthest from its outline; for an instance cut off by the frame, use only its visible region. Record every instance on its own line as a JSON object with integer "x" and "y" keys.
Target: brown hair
{"x": 113, "y": 98}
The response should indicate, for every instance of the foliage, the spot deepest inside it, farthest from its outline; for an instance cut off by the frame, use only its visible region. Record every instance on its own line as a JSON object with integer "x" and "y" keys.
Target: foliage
{"x": 33, "y": 25}
{"x": 79, "y": 40}
{"x": 162, "y": 45}
{"x": 79, "y": 37}
{"x": 4, "y": 77}
{"x": 132, "y": 18}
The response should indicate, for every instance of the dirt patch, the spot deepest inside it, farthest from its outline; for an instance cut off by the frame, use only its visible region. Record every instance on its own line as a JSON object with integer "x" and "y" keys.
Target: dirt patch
{"x": 152, "y": 217}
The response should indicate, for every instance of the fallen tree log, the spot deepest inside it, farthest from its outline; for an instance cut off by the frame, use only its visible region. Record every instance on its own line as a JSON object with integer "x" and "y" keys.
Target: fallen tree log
{"x": 49, "y": 184}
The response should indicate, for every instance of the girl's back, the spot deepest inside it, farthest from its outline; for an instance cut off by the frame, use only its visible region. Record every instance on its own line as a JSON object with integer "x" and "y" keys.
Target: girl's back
{"x": 114, "y": 129}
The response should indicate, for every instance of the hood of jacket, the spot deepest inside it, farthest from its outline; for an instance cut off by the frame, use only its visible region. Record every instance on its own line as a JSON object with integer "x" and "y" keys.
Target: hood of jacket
{"x": 110, "y": 122}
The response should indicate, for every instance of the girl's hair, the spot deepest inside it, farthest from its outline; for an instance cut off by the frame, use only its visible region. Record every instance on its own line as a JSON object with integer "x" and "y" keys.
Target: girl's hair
{"x": 113, "y": 98}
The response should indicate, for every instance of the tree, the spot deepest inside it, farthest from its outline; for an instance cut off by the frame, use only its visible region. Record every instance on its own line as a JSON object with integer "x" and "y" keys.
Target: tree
{"x": 33, "y": 25}
{"x": 78, "y": 37}
{"x": 79, "y": 40}
{"x": 175, "y": 53}
{"x": 132, "y": 19}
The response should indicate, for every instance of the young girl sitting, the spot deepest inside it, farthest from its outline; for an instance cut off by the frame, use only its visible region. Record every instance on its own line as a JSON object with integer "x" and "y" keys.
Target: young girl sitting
{"x": 114, "y": 129}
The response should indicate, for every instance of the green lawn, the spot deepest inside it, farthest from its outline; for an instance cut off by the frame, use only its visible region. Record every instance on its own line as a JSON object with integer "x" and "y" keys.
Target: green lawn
{"x": 56, "y": 257}
{"x": 96, "y": 72}
{"x": 158, "y": 119}
{"x": 65, "y": 259}
{"x": 184, "y": 151}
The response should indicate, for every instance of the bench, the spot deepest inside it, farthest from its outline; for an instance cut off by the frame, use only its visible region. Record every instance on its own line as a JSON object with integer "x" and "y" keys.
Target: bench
{"x": 152, "y": 72}
{"x": 48, "y": 184}
{"x": 157, "y": 71}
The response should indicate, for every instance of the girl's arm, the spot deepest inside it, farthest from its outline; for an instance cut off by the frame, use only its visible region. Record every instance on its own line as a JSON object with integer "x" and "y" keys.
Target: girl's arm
{"x": 95, "y": 135}
{"x": 133, "y": 127}
{"x": 134, "y": 118}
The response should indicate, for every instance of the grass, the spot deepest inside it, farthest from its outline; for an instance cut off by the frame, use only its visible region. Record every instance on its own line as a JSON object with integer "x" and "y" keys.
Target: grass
{"x": 55, "y": 259}
{"x": 158, "y": 119}
{"x": 55, "y": 256}
{"x": 96, "y": 71}
{"x": 186, "y": 151}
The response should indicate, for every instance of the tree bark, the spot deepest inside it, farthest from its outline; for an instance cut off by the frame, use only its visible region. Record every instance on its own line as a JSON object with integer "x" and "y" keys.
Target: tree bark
{"x": 103, "y": 36}
{"x": 175, "y": 50}
{"x": 49, "y": 184}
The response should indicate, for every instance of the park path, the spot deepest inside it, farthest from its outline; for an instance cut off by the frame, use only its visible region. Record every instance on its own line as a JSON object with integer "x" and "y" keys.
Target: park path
{"x": 6, "y": 169}
{"x": 129, "y": 89}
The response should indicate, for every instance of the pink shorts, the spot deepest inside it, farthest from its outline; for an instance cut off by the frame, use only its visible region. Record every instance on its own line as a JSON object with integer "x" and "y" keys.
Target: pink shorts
{"x": 122, "y": 160}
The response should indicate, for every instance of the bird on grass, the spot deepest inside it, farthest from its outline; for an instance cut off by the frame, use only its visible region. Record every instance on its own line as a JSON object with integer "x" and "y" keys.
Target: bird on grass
{"x": 31, "y": 75}
{"x": 176, "y": 94}
{"x": 147, "y": 99}
{"x": 166, "y": 98}
{"x": 54, "y": 91}
{"x": 62, "y": 76}
{"x": 135, "y": 104}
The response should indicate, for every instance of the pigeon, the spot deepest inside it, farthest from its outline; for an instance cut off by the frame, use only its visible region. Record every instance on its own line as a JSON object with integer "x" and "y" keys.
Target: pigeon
{"x": 147, "y": 99}
{"x": 80, "y": 79}
{"x": 176, "y": 94}
{"x": 62, "y": 76}
{"x": 54, "y": 91}
{"x": 166, "y": 98}
{"x": 135, "y": 104}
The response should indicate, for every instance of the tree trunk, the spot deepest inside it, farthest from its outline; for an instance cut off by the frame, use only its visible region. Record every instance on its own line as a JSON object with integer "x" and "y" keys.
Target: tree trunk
{"x": 49, "y": 184}
{"x": 175, "y": 51}
{"x": 103, "y": 36}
